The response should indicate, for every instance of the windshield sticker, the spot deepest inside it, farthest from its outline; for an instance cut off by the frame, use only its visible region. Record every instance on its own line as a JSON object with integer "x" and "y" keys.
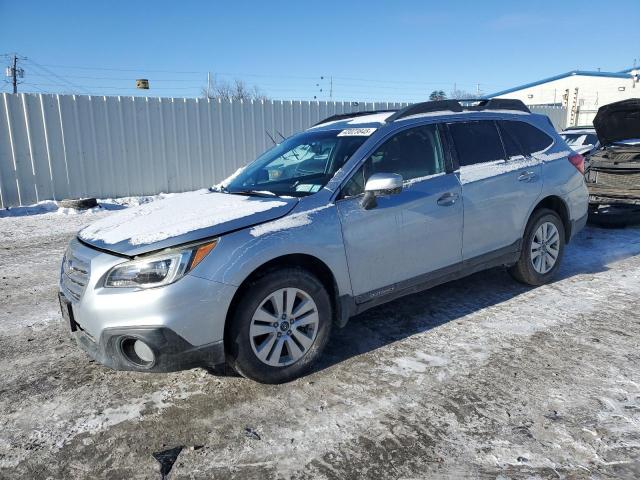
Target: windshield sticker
{"x": 306, "y": 187}
{"x": 357, "y": 132}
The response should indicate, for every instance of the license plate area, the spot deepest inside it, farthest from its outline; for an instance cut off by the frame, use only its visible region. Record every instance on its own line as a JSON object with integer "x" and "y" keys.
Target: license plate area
{"x": 66, "y": 309}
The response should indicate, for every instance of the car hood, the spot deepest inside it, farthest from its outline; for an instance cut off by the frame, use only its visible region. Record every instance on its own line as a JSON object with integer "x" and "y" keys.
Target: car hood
{"x": 618, "y": 121}
{"x": 180, "y": 219}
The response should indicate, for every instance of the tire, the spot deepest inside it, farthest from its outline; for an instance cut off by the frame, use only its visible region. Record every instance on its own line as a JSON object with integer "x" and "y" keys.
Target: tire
{"x": 529, "y": 268}
{"x": 614, "y": 216}
{"x": 78, "y": 203}
{"x": 301, "y": 346}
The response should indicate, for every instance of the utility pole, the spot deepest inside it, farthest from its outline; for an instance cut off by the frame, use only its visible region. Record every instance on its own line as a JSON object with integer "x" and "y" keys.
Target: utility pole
{"x": 14, "y": 76}
{"x": 14, "y": 72}
{"x": 208, "y": 84}
{"x": 331, "y": 87}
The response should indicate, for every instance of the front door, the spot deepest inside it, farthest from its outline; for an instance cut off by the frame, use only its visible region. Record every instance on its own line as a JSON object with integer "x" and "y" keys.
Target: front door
{"x": 409, "y": 234}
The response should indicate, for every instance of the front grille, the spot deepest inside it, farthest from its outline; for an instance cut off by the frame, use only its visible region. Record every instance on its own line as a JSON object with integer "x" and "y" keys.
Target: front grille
{"x": 616, "y": 180}
{"x": 75, "y": 274}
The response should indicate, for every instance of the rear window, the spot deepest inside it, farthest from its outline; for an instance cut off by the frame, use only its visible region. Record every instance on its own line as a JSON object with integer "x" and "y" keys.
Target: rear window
{"x": 511, "y": 143}
{"x": 529, "y": 137}
{"x": 476, "y": 142}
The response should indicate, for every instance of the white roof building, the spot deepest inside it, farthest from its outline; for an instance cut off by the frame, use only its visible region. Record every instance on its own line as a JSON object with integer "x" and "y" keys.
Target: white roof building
{"x": 581, "y": 92}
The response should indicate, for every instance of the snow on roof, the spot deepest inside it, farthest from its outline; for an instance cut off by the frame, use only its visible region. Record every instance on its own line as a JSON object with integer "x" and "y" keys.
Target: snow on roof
{"x": 441, "y": 113}
{"x": 373, "y": 118}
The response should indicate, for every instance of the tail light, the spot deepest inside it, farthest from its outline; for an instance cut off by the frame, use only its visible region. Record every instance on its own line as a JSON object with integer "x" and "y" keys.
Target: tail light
{"x": 577, "y": 161}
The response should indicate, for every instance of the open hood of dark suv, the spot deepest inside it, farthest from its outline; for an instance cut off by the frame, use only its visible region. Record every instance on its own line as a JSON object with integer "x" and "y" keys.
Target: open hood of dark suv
{"x": 618, "y": 121}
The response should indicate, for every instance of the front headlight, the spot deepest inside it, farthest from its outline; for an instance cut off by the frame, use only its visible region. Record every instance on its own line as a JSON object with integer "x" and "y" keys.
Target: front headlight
{"x": 158, "y": 270}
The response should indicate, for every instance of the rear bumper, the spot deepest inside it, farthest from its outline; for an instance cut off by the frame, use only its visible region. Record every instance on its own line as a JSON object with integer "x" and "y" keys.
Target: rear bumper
{"x": 579, "y": 224}
{"x": 171, "y": 351}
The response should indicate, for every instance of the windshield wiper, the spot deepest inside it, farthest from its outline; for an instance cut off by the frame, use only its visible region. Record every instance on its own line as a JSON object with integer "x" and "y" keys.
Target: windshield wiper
{"x": 254, "y": 193}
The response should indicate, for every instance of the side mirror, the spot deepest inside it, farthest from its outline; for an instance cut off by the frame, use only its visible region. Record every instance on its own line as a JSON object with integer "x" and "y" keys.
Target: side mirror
{"x": 380, "y": 184}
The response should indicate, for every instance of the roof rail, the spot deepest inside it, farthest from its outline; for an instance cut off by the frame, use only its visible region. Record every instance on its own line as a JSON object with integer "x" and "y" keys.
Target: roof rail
{"x": 342, "y": 116}
{"x": 469, "y": 104}
{"x": 425, "y": 107}
{"x": 472, "y": 104}
{"x": 496, "y": 104}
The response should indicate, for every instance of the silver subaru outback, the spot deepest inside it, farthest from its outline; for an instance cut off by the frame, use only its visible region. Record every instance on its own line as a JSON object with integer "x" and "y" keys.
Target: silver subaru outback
{"x": 356, "y": 211}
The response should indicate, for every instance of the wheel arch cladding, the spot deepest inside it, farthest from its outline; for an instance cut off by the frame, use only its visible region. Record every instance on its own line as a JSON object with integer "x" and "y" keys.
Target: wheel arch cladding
{"x": 307, "y": 262}
{"x": 558, "y": 205}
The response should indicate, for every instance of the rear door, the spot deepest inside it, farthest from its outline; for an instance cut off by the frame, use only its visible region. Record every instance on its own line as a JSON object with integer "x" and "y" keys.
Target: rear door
{"x": 408, "y": 234}
{"x": 498, "y": 188}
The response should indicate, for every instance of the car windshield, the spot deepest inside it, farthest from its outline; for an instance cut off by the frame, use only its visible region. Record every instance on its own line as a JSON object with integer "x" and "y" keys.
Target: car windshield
{"x": 578, "y": 139}
{"x": 301, "y": 165}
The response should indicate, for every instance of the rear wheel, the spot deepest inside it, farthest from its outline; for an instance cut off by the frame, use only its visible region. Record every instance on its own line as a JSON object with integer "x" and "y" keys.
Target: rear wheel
{"x": 280, "y": 327}
{"x": 542, "y": 249}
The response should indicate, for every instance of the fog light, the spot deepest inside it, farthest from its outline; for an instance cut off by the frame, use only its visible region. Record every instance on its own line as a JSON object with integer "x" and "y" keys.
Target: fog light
{"x": 137, "y": 352}
{"x": 143, "y": 351}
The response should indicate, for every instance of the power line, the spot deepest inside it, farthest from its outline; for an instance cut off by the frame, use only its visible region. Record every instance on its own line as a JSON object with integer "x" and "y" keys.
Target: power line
{"x": 46, "y": 70}
{"x": 123, "y": 69}
{"x": 259, "y": 75}
{"x": 34, "y": 86}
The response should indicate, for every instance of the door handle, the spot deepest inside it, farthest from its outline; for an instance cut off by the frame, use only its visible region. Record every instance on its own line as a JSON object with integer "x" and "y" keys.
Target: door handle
{"x": 448, "y": 199}
{"x": 527, "y": 176}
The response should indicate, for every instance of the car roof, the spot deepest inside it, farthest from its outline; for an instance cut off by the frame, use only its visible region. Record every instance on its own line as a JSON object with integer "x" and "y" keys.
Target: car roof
{"x": 474, "y": 108}
{"x": 378, "y": 120}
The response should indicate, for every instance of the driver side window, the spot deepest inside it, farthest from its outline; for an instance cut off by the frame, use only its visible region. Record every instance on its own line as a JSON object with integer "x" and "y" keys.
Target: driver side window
{"x": 412, "y": 153}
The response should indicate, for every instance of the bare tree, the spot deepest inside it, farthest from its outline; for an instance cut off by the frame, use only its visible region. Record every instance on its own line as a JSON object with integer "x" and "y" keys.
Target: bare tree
{"x": 458, "y": 94}
{"x": 238, "y": 90}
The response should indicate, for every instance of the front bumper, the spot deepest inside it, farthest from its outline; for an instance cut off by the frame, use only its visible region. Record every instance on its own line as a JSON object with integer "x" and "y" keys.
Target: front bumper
{"x": 609, "y": 196}
{"x": 182, "y": 323}
{"x": 171, "y": 351}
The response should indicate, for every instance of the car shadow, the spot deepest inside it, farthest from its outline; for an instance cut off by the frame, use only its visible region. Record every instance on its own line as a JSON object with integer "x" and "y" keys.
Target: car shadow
{"x": 590, "y": 252}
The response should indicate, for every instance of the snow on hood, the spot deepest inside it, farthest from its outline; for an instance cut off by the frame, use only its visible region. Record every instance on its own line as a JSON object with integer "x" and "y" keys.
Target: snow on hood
{"x": 179, "y": 219}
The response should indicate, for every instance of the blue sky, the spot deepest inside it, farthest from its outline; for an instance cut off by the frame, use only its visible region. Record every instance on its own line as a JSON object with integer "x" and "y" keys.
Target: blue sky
{"x": 374, "y": 50}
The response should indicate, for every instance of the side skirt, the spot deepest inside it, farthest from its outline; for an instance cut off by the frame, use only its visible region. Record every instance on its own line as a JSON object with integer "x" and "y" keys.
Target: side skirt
{"x": 350, "y": 306}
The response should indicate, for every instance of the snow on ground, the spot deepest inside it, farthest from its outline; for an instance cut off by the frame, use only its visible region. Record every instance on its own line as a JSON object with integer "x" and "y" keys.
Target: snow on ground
{"x": 479, "y": 378}
{"x": 105, "y": 204}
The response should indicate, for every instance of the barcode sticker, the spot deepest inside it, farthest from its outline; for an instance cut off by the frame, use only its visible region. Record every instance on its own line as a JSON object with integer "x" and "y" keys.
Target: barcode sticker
{"x": 357, "y": 132}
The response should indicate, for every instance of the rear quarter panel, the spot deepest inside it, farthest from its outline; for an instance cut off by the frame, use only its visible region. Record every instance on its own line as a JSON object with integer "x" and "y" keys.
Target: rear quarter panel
{"x": 562, "y": 179}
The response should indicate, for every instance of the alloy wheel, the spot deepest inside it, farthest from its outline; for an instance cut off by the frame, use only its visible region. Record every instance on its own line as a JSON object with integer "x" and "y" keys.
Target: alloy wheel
{"x": 545, "y": 247}
{"x": 284, "y": 327}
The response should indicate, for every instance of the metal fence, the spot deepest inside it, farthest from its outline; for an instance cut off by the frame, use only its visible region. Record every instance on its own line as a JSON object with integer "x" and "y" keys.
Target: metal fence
{"x": 557, "y": 115}
{"x": 69, "y": 146}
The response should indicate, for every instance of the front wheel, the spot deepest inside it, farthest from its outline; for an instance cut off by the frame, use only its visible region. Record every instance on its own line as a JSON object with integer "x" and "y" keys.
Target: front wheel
{"x": 542, "y": 249}
{"x": 280, "y": 326}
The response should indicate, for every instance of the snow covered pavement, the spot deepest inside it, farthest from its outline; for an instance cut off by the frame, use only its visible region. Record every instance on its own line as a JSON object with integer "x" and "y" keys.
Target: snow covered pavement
{"x": 477, "y": 378}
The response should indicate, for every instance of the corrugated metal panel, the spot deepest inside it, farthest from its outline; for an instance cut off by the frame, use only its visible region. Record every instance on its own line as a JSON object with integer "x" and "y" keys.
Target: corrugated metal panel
{"x": 557, "y": 115}
{"x": 65, "y": 146}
